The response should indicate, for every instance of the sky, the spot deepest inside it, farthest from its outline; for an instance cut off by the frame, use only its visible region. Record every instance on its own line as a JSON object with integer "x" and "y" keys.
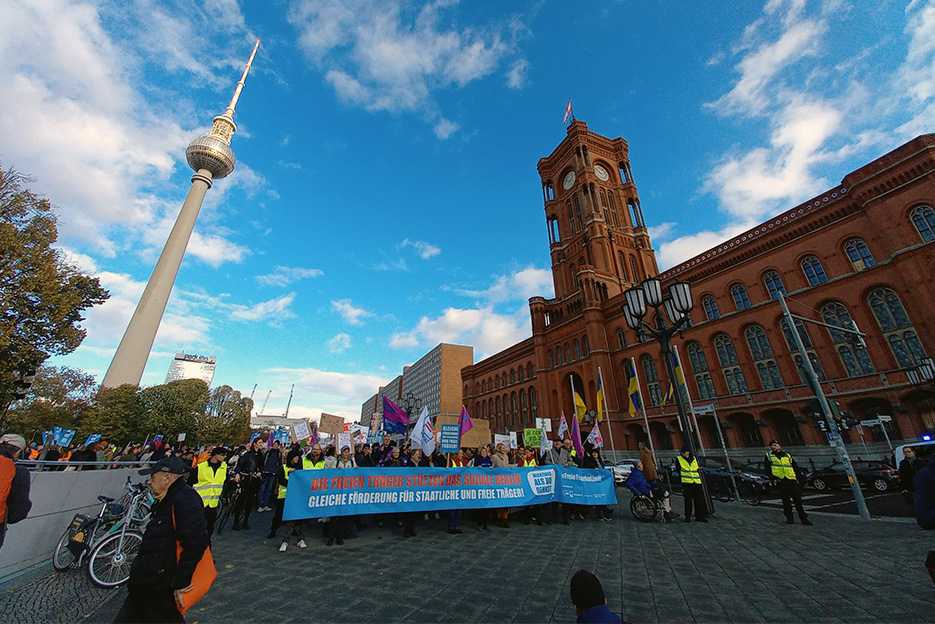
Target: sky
{"x": 386, "y": 197}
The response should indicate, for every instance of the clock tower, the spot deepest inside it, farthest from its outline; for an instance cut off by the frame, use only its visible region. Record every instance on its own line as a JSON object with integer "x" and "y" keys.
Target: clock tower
{"x": 597, "y": 235}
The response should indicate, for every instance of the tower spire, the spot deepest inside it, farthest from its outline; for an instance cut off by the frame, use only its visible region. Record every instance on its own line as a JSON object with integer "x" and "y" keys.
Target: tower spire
{"x": 212, "y": 158}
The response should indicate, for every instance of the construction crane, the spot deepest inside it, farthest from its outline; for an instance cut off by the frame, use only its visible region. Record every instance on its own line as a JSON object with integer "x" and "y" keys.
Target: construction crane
{"x": 289, "y": 404}
{"x": 263, "y": 409}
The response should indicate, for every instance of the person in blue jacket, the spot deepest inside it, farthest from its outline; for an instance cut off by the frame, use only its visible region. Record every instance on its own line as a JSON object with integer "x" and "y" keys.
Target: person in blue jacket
{"x": 638, "y": 484}
{"x": 587, "y": 596}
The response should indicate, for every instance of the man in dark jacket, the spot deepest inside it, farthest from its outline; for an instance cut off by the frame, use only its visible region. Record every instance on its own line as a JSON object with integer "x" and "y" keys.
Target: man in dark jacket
{"x": 587, "y": 595}
{"x": 924, "y": 485}
{"x": 908, "y": 468}
{"x": 248, "y": 474}
{"x": 271, "y": 463}
{"x": 159, "y": 580}
{"x": 783, "y": 472}
{"x": 14, "y": 483}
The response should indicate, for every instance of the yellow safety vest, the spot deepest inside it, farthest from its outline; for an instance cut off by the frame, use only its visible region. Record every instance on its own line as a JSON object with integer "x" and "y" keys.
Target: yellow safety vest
{"x": 282, "y": 488}
{"x": 689, "y": 472}
{"x": 210, "y": 483}
{"x": 308, "y": 464}
{"x": 529, "y": 463}
{"x": 781, "y": 467}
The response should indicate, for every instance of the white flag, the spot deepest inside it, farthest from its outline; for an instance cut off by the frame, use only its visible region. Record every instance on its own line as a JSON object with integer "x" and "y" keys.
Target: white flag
{"x": 423, "y": 434}
{"x": 595, "y": 437}
{"x": 562, "y": 427}
{"x": 544, "y": 444}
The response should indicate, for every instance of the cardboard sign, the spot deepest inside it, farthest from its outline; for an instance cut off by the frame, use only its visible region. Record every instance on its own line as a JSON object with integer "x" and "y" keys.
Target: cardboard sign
{"x": 513, "y": 443}
{"x": 181, "y": 437}
{"x": 473, "y": 438}
{"x": 300, "y": 430}
{"x": 544, "y": 423}
{"x": 532, "y": 437}
{"x": 449, "y": 441}
{"x": 331, "y": 424}
{"x": 344, "y": 439}
{"x": 500, "y": 438}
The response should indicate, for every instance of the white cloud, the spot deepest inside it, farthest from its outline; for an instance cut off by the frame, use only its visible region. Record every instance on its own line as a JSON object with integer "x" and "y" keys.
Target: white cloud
{"x": 487, "y": 331}
{"x": 916, "y": 76}
{"x": 341, "y": 342}
{"x": 283, "y": 276}
{"x": 387, "y": 55}
{"x": 425, "y": 250}
{"x": 273, "y": 310}
{"x": 351, "y": 314}
{"x": 348, "y": 388}
{"x": 671, "y": 253}
{"x": 519, "y": 286}
{"x": 516, "y": 77}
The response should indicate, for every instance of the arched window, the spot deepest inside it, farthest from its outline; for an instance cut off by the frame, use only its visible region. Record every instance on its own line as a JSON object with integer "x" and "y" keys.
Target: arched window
{"x": 483, "y": 410}
{"x": 585, "y": 346}
{"x": 571, "y": 216}
{"x": 621, "y": 261}
{"x": 519, "y": 373}
{"x": 621, "y": 338}
{"x": 763, "y": 358}
{"x": 551, "y": 359}
{"x": 529, "y": 370}
{"x": 512, "y": 375}
{"x": 567, "y": 353}
{"x": 497, "y": 377}
{"x": 858, "y": 254}
{"x": 524, "y": 407}
{"x": 499, "y": 420}
{"x": 814, "y": 272}
{"x": 514, "y": 410}
{"x": 574, "y": 275}
{"x": 730, "y": 367}
{"x": 534, "y": 412}
{"x": 852, "y": 353}
{"x": 633, "y": 271}
{"x": 897, "y": 328}
{"x": 710, "y": 307}
{"x": 809, "y": 349}
{"x": 700, "y": 369}
{"x": 739, "y": 293}
{"x": 652, "y": 380}
{"x": 504, "y": 379}
{"x": 577, "y": 349}
{"x": 924, "y": 219}
{"x": 774, "y": 284}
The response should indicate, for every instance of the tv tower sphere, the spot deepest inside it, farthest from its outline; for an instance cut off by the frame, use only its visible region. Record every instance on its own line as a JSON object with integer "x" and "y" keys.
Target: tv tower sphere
{"x": 212, "y": 158}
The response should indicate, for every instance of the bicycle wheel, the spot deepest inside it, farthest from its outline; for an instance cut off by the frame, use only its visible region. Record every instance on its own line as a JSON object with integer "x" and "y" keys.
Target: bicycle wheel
{"x": 719, "y": 488}
{"x": 110, "y": 561}
{"x": 62, "y": 557}
{"x": 225, "y": 514}
{"x": 751, "y": 494}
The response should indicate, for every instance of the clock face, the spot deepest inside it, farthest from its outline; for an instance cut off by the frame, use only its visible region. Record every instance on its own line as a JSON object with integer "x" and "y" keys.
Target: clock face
{"x": 569, "y": 180}
{"x": 601, "y": 173}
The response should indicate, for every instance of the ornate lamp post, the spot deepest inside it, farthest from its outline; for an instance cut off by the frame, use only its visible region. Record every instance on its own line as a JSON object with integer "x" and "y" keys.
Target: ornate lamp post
{"x": 409, "y": 404}
{"x": 668, "y": 317}
{"x": 923, "y": 375}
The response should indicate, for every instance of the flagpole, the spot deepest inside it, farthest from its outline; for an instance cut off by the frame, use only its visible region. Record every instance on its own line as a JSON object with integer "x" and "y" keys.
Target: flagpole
{"x": 639, "y": 391}
{"x": 574, "y": 405}
{"x": 691, "y": 408}
{"x": 610, "y": 429}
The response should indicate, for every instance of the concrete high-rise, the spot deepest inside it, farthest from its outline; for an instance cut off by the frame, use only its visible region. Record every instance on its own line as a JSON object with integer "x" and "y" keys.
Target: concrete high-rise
{"x": 212, "y": 158}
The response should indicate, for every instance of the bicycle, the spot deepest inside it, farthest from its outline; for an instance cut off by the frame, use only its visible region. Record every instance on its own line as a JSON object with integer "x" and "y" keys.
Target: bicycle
{"x": 110, "y": 560}
{"x": 227, "y": 503}
{"x": 85, "y": 532}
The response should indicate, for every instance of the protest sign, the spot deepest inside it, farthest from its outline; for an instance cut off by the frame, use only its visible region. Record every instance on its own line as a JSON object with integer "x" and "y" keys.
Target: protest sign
{"x": 374, "y": 438}
{"x": 449, "y": 439}
{"x": 513, "y": 444}
{"x": 94, "y": 437}
{"x": 181, "y": 437}
{"x": 344, "y": 439}
{"x": 500, "y": 438}
{"x": 532, "y": 437}
{"x": 158, "y": 438}
{"x": 472, "y": 438}
{"x": 300, "y": 430}
{"x": 544, "y": 423}
{"x": 333, "y": 492}
{"x": 331, "y": 424}
{"x": 68, "y": 437}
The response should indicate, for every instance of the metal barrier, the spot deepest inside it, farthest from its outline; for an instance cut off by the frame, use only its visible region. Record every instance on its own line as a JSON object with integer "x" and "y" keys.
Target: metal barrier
{"x": 56, "y": 497}
{"x": 45, "y": 465}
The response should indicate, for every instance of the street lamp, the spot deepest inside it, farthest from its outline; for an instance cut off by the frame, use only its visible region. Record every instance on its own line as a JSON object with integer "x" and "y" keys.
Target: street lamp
{"x": 409, "y": 404}
{"x": 669, "y": 317}
{"x": 923, "y": 374}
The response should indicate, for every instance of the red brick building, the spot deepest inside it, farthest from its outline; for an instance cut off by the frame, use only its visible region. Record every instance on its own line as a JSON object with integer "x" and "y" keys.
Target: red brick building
{"x": 860, "y": 252}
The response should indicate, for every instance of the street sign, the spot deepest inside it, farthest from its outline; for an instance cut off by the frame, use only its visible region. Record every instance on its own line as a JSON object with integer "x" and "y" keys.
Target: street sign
{"x": 544, "y": 423}
{"x": 703, "y": 409}
{"x": 885, "y": 418}
{"x": 870, "y": 423}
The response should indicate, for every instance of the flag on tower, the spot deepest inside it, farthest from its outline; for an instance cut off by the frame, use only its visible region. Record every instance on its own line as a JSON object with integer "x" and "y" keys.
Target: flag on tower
{"x": 562, "y": 427}
{"x": 595, "y": 437}
{"x": 394, "y": 418}
{"x": 568, "y": 112}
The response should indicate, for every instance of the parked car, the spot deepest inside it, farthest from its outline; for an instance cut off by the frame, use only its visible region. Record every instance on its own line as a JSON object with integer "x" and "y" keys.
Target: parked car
{"x": 621, "y": 469}
{"x": 715, "y": 466}
{"x": 870, "y": 474}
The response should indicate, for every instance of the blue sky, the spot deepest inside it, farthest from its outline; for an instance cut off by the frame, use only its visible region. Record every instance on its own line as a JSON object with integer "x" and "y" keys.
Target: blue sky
{"x": 386, "y": 197}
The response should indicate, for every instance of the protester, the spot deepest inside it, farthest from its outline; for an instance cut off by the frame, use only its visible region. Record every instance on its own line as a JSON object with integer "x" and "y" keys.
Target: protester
{"x": 557, "y": 456}
{"x": 341, "y": 527}
{"x": 14, "y": 483}
{"x": 692, "y": 491}
{"x": 279, "y": 500}
{"x": 271, "y": 463}
{"x": 159, "y": 575}
{"x": 248, "y": 474}
{"x": 499, "y": 459}
{"x": 208, "y": 480}
{"x": 587, "y": 596}
{"x": 924, "y": 485}
{"x": 595, "y": 462}
{"x": 409, "y": 517}
{"x": 454, "y": 515}
{"x": 908, "y": 468}
{"x": 638, "y": 484}
{"x": 784, "y": 471}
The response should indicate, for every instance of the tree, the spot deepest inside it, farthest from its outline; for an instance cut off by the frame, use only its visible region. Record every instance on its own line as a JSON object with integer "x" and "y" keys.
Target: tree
{"x": 173, "y": 408}
{"x": 226, "y": 419}
{"x": 59, "y": 397}
{"x": 117, "y": 415}
{"x": 41, "y": 296}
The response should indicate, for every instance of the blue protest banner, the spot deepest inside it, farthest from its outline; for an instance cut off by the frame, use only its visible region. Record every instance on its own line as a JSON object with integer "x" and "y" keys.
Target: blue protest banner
{"x": 94, "y": 437}
{"x": 57, "y": 433}
{"x": 324, "y": 493}
{"x": 451, "y": 439}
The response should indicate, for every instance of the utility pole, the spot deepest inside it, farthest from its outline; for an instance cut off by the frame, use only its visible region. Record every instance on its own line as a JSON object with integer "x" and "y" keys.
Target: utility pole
{"x": 834, "y": 434}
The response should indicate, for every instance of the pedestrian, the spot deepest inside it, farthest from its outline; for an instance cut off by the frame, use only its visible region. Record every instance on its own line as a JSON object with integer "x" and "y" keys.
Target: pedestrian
{"x": 692, "y": 491}
{"x": 908, "y": 468}
{"x": 248, "y": 474}
{"x": 279, "y": 499}
{"x": 499, "y": 459}
{"x": 587, "y": 596}
{"x": 409, "y": 517}
{"x": 454, "y": 515}
{"x": 14, "y": 483}
{"x": 208, "y": 479}
{"x": 558, "y": 455}
{"x": 161, "y": 574}
{"x": 272, "y": 460}
{"x": 924, "y": 484}
{"x": 784, "y": 473}
{"x": 594, "y": 461}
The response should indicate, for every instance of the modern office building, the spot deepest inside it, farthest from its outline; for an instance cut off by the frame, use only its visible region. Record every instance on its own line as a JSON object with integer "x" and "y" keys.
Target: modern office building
{"x": 862, "y": 251}
{"x": 190, "y": 366}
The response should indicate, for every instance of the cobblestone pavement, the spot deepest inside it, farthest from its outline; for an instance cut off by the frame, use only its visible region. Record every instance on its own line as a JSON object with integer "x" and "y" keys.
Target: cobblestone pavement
{"x": 746, "y": 565}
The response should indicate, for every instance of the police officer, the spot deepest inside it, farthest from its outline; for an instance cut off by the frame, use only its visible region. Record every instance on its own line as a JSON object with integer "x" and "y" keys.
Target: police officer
{"x": 783, "y": 469}
{"x": 691, "y": 486}
{"x": 208, "y": 480}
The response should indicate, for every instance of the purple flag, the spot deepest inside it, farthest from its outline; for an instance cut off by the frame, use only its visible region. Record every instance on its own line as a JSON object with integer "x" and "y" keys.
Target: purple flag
{"x": 394, "y": 418}
{"x": 464, "y": 423}
{"x": 576, "y": 438}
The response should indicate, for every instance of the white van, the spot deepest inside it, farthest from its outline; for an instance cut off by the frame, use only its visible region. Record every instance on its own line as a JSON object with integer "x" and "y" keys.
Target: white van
{"x": 924, "y": 451}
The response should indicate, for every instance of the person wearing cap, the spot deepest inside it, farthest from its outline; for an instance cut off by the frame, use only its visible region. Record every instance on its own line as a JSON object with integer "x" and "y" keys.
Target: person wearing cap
{"x": 783, "y": 471}
{"x": 692, "y": 491}
{"x": 249, "y": 474}
{"x": 208, "y": 479}
{"x": 587, "y": 596}
{"x": 14, "y": 483}
{"x": 159, "y": 576}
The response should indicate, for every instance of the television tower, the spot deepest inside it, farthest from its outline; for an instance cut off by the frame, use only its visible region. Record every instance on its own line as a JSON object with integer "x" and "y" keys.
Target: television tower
{"x": 212, "y": 158}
